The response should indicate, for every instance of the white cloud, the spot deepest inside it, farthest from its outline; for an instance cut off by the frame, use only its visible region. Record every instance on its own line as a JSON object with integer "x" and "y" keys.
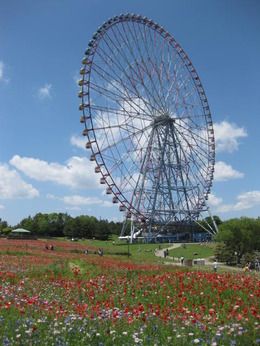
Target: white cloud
{"x": 224, "y": 172}
{"x": 78, "y": 142}
{"x": 2, "y": 206}
{"x": 227, "y": 135}
{"x": 12, "y": 185}
{"x": 246, "y": 200}
{"x": 45, "y": 91}
{"x": 77, "y": 173}
{"x": 214, "y": 200}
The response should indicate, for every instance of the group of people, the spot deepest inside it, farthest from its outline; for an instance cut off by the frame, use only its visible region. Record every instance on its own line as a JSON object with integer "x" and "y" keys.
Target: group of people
{"x": 253, "y": 265}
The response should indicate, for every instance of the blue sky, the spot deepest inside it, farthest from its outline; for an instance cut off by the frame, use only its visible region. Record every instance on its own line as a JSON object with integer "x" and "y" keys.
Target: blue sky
{"x": 42, "y": 167}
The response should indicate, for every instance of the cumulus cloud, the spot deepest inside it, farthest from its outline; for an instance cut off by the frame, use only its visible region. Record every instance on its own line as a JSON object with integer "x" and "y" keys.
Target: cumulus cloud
{"x": 12, "y": 185}
{"x": 224, "y": 172}
{"x": 78, "y": 142}
{"x": 45, "y": 92}
{"x": 227, "y": 136}
{"x": 78, "y": 172}
{"x": 246, "y": 200}
{"x": 214, "y": 200}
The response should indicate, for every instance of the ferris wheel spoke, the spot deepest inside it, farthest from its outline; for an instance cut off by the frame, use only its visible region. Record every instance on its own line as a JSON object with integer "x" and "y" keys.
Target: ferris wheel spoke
{"x": 194, "y": 146}
{"x": 111, "y": 81}
{"x": 138, "y": 72}
{"x": 119, "y": 80}
{"x": 130, "y": 108}
{"x": 143, "y": 68}
{"x": 197, "y": 161}
{"x": 155, "y": 88}
{"x": 153, "y": 49}
{"x": 126, "y": 138}
{"x": 121, "y": 111}
{"x": 189, "y": 132}
{"x": 125, "y": 123}
{"x": 185, "y": 171}
{"x": 134, "y": 77}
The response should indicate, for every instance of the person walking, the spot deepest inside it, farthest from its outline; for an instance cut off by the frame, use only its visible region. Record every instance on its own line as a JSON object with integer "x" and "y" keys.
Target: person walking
{"x": 215, "y": 266}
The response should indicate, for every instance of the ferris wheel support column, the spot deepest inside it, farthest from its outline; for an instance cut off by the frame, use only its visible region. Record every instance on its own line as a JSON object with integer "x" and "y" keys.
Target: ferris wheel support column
{"x": 143, "y": 170}
{"x": 181, "y": 172}
{"x": 158, "y": 176}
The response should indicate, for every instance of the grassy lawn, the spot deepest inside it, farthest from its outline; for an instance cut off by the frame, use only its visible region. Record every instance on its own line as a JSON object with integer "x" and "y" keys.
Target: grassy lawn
{"x": 193, "y": 251}
{"x": 138, "y": 252}
{"x": 145, "y": 252}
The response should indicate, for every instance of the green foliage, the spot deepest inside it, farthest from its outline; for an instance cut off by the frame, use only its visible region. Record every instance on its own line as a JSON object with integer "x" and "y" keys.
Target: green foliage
{"x": 239, "y": 236}
{"x": 3, "y": 225}
{"x": 226, "y": 254}
{"x": 6, "y": 230}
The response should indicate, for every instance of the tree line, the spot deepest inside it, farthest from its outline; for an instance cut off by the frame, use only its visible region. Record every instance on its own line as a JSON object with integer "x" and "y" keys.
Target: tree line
{"x": 64, "y": 225}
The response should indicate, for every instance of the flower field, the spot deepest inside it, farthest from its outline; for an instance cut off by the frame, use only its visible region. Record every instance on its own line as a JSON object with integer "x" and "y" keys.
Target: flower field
{"x": 64, "y": 297}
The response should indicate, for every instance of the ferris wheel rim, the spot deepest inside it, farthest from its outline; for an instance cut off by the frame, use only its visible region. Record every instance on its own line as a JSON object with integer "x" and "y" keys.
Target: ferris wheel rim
{"x": 86, "y": 105}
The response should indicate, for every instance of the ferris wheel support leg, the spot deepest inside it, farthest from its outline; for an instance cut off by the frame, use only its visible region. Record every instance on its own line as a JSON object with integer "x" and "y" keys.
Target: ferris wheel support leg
{"x": 206, "y": 229}
{"x": 214, "y": 223}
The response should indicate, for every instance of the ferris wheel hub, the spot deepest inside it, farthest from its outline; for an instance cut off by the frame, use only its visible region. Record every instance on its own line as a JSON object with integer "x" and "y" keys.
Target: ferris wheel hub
{"x": 163, "y": 120}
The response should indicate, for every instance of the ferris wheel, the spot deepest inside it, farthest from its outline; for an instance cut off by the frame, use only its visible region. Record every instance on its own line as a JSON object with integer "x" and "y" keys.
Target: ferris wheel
{"x": 147, "y": 122}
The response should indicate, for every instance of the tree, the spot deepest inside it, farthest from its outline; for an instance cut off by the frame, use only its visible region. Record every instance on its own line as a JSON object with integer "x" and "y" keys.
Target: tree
{"x": 115, "y": 227}
{"x": 28, "y": 223}
{"x": 240, "y": 236}
{"x": 102, "y": 230}
{"x": 3, "y": 225}
{"x": 69, "y": 227}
